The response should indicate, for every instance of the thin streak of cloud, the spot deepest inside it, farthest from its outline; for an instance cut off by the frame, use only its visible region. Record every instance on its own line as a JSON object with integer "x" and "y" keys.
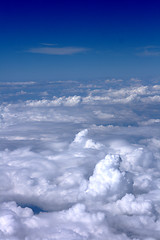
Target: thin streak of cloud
{"x": 48, "y": 44}
{"x": 58, "y": 51}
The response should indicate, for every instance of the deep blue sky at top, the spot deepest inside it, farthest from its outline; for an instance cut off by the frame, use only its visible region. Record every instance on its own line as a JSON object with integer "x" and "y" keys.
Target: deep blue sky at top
{"x": 110, "y": 39}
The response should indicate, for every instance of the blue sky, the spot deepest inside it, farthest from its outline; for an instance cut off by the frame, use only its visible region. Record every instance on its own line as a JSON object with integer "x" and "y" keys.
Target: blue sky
{"x": 79, "y": 40}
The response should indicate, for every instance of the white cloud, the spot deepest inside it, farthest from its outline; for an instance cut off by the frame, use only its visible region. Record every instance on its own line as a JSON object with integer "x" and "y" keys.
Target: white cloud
{"x": 150, "y": 121}
{"x": 130, "y": 205}
{"x": 66, "y": 101}
{"x": 107, "y": 179}
{"x": 103, "y": 115}
{"x": 85, "y": 166}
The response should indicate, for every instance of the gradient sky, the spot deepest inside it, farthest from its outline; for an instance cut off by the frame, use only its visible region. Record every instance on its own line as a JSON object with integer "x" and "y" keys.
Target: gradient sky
{"x": 79, "y": 40}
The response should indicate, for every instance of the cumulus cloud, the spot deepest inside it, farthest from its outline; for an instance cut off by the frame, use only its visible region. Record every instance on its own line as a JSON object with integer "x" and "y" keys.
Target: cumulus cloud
{"x": 108, "y": 180}
{"x": 80, "y": 166}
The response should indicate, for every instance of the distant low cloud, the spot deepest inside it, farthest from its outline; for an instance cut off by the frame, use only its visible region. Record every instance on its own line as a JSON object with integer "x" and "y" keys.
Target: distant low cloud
{"x": 58, "y": 50}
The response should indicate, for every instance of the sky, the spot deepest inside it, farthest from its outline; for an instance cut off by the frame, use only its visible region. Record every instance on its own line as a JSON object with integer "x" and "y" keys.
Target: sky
{"x": 79, "y": 40}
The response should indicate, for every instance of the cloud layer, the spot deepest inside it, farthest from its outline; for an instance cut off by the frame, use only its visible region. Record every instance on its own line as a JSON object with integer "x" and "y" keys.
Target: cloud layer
{"x": 80, "y": 164}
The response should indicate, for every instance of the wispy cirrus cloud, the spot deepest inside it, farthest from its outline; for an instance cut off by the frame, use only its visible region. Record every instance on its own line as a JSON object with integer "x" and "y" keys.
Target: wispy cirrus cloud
{"x": 57, "y": 50}
{"x": 148, "y": 51}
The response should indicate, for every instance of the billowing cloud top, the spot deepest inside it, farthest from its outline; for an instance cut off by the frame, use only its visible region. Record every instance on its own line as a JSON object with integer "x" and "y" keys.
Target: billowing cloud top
{"x": 80, "y": 161}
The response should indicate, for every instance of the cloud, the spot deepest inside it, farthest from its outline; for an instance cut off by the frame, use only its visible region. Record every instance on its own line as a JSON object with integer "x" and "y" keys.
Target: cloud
{"x": 82, "y": 165}
{"x": 150, "y": 121}
{"x": 66, "y": 101}
{"x": 131, "y": 205}
{"x": 107, "y": 179}
{"x": 17, "y": 83}
{"x": 58, "y": 50}
{"x": 49, "y": 44}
